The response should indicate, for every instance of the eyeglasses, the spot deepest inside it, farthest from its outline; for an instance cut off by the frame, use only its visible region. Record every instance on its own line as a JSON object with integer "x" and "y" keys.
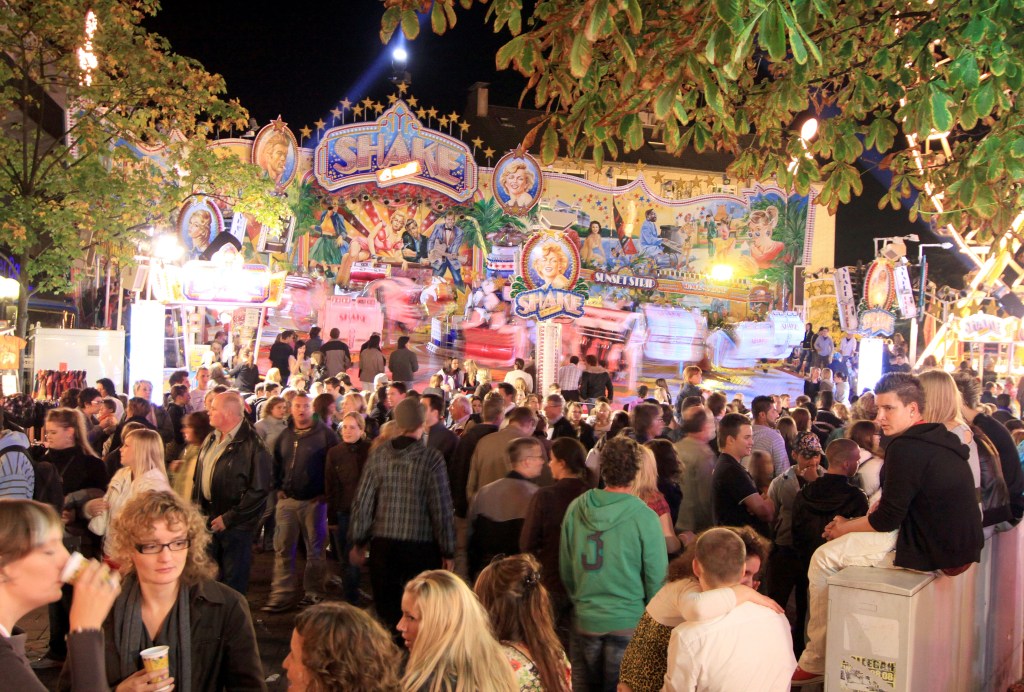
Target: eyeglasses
{"x": 155, "y": 548}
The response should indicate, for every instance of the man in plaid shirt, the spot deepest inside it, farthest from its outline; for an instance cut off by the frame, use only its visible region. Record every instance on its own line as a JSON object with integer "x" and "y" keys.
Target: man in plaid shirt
{"x": 403, "y": 513}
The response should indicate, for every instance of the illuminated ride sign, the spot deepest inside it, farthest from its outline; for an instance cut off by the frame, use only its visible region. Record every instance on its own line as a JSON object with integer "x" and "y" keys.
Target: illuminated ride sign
{"x": 626, "y": 280}
{"x": 199, "y": 282}
{"x": 549, "y": 270}
{"x": 395, "y": 148}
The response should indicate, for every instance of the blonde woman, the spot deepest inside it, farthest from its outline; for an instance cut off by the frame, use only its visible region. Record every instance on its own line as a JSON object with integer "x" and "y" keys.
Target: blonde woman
{"x": 601, "y": 418}
{"x": 470, "y": 381}
{"x": 645, "y": 486}
{"x": 273, "y": 375}
{"x": 521, "y": 392}
{"x": 448, "y": 634}
{"x": 943, "y": 404}
{"x": 142, "y": 470}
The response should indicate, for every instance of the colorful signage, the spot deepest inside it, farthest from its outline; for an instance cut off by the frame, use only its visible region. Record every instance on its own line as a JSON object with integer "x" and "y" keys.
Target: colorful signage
{"x": 232, "y": 283}
{"x": 275, "y": 151}
{"x": 644, "y": 283}
{"x": 904, "y": 292}
{"x": 517, "y": 182}
{"x": 361, "y": 153}
{"x": 879, "y": 285}
{"x": 845, "y": 299}
{"x": 549, "y": 269}
{"x": 877, "y": 322}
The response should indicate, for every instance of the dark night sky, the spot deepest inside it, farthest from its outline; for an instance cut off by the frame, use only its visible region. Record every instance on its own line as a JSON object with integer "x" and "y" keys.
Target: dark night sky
{"x": 300, "y": 64}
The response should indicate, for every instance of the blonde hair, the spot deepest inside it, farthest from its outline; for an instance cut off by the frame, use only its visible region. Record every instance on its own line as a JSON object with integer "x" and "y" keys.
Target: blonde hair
{"x": 357, "y": 397}
{"x": 148, "y": 451}
{"x": 455, "y": 642}
{"x": 645, "y": 485}
{"x": 941, "y": 397}
{"x": 24, "y": 526}
{"x": 136, "y": 521}
{"x": 73, "y": 418}
{"x": 273, "y": 375}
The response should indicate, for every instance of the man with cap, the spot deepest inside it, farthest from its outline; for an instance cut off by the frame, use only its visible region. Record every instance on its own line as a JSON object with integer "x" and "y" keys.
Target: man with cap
{"x": 785, "y": 571}
{"x": 402, "y": 512}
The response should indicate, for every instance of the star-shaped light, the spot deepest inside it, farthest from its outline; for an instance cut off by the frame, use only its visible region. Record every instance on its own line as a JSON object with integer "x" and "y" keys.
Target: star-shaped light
{"x": 368, "y": 102}
{"x": 640, "y": 165}
{"x": 412, "y": 101}
{"x": 402, "y": 87}
{"x": 443, "y": 121}
{"x": 378, "y": 108}
{"x": 463, "y": 127}
{"x": 345, "y": 104}
{"x": 320, "y": 124}
{"x": 306, "y": 132}
{"x": 488, "y": 152}
{"x": 392, "y": 98}
{"x": 477, "y": 142}
{"x": 421, "y": 114}
{"x": 658, "y": 178}
{"x": 358, "y": 110}
{"x": 336, "y": 112}
{"x": 432, "y": 112}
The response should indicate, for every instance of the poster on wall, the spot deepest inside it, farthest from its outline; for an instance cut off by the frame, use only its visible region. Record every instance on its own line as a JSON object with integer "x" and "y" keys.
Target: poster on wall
{"x": 517, "y": 182}
{"x": 277, "y": 153}
{"x": 548, "y": 284}
{"x": 199, "y": 222}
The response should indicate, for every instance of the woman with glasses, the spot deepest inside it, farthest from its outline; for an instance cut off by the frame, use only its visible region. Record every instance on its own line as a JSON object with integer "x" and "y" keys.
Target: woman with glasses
{"x": 169, "y": 598}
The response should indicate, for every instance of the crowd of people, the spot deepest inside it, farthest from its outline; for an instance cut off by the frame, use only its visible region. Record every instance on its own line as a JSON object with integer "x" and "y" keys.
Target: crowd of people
{"x": 488, "y": 536}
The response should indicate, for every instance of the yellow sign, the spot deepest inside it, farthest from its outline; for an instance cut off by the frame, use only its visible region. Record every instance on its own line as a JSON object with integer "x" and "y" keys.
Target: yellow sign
{"x": 389, "y": 175}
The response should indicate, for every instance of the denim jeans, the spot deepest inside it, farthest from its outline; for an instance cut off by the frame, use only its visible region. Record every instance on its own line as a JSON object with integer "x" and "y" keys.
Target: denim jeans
{"x": 231, "y": 549}
{"x": 350, "y": 574}
{"x": 295, "y": 518}
{"x": 595, "y": 661}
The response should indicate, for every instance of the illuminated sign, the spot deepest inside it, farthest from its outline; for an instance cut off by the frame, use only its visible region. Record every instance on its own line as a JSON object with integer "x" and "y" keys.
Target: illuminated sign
{"x": 202, "y": 283}
{"x": 362, "y": 152}
{"x": 548, "y": 303}
{"x": 879, "y": 284}
{"x": 396, "y": 173}
{"x": 548, "y": 284}
{"x": 876, "y": 322}
{"x": 626, "y": 280}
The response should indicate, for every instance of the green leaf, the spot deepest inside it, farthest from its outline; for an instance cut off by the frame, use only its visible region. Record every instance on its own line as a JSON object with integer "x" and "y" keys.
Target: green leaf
{"x": 745, "y": 40}
{"x": 984, "y": 202}
{"x": 983, "y": 99}
{"x": 939, "y": 103}
{"x": 438, "y": 22}
{"x": 713, "y": 94}
{"x": 798, "y": 47}
{"x": 410, "y": 24}
{"x": 1017, "y": 149}
{"x": 666, "y": 100}
{"x": 728, "y": 10}
{"x": 549, "y": 145}
{"x": 515, "y": 22}
{"x": 510, "y": 51}
{"x": 881, "y": 134}
{"x": 595, "y": 23}
{"x": 772, "y": 35}
{"x": 965, "y": 69}
{"x": 636, "y": 17}
{"x": 580, "y": 56}
{"x": 389, "y": 22}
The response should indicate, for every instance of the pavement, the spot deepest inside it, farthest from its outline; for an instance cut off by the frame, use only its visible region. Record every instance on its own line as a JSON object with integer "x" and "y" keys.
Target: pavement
{"x": 273, "y": 631}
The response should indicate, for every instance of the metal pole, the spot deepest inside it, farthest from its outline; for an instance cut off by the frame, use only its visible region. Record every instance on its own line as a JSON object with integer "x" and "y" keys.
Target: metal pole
{"x": 106, "y": 303}
{"x": 120, "y": 296}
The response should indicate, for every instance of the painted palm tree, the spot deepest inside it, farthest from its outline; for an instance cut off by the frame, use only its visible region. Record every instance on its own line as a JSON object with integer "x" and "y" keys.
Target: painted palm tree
{"x": 488, "y": 217}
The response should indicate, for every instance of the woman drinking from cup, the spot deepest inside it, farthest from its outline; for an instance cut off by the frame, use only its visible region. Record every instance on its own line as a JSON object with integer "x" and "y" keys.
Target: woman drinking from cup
{"x": 169, "y": 599}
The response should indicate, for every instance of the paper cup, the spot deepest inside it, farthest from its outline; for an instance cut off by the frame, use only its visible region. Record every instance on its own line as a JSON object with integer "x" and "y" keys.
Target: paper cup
{"x": 157, "y": 659}
{"x": 73, "y": 568}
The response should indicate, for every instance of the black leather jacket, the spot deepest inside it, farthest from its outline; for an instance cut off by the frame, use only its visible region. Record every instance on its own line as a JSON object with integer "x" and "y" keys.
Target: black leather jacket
{"x": 241, "y": 480}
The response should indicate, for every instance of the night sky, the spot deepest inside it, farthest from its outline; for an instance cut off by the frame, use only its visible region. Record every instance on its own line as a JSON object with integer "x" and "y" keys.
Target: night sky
{"x": 300, "y": 64}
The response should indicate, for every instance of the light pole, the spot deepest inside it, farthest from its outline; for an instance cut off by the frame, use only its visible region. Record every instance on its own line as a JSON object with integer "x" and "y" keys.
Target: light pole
{"x": 920, "y": 312}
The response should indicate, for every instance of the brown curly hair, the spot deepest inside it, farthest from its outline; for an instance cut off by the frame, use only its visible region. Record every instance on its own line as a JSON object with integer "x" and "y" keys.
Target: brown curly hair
{"x": 343, "y": 648}
{"x": 755, "y": 544}
{"x": 136, "y": 521}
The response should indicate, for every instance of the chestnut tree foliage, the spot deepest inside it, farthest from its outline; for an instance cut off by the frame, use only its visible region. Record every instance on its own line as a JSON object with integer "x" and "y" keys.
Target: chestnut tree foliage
{"x": 741, "y": 75}
{"x": 86, "y": 165}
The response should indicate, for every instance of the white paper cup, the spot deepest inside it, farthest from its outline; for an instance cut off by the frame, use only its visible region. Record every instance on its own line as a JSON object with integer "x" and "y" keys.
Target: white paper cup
{"x": 73, "y": 568}
{"x": 157, "y": 659}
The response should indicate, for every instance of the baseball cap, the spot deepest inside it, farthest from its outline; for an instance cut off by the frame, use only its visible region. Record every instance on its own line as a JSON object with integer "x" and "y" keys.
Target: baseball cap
{"x": 807, "y": 444}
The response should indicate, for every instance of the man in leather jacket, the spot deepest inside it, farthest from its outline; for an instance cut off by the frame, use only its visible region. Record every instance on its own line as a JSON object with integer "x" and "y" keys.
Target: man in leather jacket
{"x": 231, "y": 483}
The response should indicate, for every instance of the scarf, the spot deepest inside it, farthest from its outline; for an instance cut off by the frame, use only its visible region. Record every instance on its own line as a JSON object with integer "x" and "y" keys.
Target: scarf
{"x": 130, "y": 636}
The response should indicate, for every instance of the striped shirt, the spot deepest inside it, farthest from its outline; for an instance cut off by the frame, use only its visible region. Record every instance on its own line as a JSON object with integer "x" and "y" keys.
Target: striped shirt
{"x": 17, "y": 475}
{"x": 568, "y": 377}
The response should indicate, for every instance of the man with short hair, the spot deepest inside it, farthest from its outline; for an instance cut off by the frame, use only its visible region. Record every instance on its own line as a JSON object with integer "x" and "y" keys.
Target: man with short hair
{"x": 558, "y": 424}
{"x": 459, "y": 413}
{"x": 823, "y": 348}
{"x": 89, "y": 404}
{"x": 697, "y": 464}
{"x": 766, "y": 437}
{"x": 490, "y": 458}
{"x": 403, "y": 513}
{"x": 403, "y": 363}
{"x": 568, "y": 379}
{"x": 280, "y": 351}
{"x": 692, "y": 376}
{"x": 332, "y": 386}
{"x": 197, "y": 396}
{"x": 498, "y": 510}
{"x": 612, "y": 561}
{"x": 300, "y": 456}
{"x": 734, "y": 495}
{"x": 509, "y": 394}
{"x": 435, "y": 434}
{"x": 749, "y": 648}
{"x": 231, "y": 483}
{"x": 519, "y": 371}
{"x": 928, "y": 511}
{"x": 158, "y": 416}
{"x": 785, "y": 570}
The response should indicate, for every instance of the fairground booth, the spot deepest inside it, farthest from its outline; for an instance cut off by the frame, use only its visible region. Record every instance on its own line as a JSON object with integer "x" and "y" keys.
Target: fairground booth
{"x": 406, "y": 222}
